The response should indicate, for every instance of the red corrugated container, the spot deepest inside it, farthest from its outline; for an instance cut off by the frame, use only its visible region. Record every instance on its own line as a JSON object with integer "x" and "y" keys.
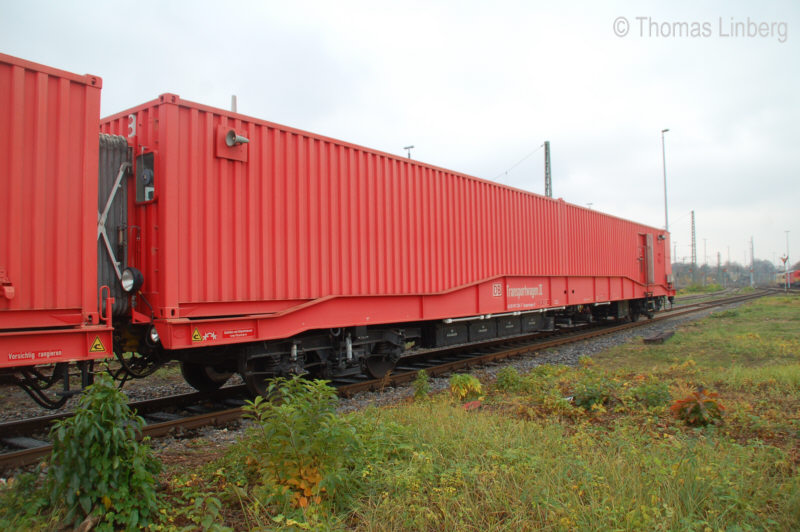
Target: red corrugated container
{"x": 48, "y": 237}
{"x": 292, "y": 231}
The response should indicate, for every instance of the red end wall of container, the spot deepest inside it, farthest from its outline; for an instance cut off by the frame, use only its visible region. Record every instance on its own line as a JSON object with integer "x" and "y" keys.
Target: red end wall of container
{"x": 293, "y": 218}
{"x": 48, "y": 212}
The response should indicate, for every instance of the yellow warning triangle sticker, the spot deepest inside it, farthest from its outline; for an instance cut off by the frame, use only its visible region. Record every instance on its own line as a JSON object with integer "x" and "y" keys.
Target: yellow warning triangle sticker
{"x": 97, "y": 346}
{"x": 196, "y": 336}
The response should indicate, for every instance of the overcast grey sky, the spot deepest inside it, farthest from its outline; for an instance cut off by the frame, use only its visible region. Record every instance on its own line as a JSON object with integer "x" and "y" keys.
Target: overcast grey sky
{"x": 477, "y": 86}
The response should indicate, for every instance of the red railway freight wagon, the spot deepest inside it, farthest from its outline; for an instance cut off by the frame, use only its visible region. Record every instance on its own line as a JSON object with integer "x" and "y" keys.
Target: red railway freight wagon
{"x": 247, "y": 232}
{"x": 49, "y": 296}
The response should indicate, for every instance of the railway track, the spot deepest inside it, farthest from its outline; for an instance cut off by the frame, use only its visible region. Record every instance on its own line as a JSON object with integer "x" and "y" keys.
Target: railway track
{"x": 178, "y": 414}
{"x": 778, "y": 291}
{"x": 694, "y": 297}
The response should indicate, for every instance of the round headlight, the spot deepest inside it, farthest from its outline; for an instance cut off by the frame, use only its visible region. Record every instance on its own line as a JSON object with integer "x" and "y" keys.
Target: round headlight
{"x": 153, "y": 334}
{"x": 131, "y": 280}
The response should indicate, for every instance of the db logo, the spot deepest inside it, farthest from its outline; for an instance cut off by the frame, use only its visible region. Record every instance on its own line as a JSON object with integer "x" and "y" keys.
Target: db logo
{"x": 497, "y": 289}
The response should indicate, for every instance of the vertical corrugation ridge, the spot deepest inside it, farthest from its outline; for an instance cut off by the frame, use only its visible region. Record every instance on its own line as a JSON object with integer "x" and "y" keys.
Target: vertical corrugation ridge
{"x": 370, "y": 243}
{"x": 335, "y": 216}
{"x": 411, "y": 252}
{"x": 362, "y": 207}
{"x": 314, "y": 208}
{"x": 243, "y": 218}
{"x": 292, "y": 216}
{"x": 211, "y": 288}
{"x": 190, "y": 285}
{"x": 38, "y": 197}
{"x": 262, "y": 175}
{"x": 382, "y": 215}
{"x": 61, "y": 213}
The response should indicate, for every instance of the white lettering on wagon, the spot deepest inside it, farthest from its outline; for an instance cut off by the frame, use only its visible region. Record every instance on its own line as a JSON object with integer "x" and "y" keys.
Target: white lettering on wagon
{"x": 38, "y": 355}
{"x": 524, "y": 291}
{"x": 49, "y": 354}
{"x": 21, "y": 356}
{"x": 239, "y": 333}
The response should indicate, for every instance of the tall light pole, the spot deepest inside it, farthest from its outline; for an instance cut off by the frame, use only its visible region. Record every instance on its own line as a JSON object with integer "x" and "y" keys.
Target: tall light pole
{"x": 786, "y": 262}
{"x": 787, "y": 244}
{"x": 664, "y": 160}
{"x": 408, "y": 149}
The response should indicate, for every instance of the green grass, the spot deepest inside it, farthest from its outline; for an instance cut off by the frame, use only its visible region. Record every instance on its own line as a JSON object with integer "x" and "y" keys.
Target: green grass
{"x": 699, "y": 289}
{"x": 783, "y": 377}
{"x": 766, "y": 331}
{"x": 490, "y": 471}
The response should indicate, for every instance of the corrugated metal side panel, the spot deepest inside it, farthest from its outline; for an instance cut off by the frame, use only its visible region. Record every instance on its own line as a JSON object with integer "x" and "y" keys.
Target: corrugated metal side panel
{"x": 113, "y": 155}
{"x": 48, "y": 178}
{"x": 307, "y": 217}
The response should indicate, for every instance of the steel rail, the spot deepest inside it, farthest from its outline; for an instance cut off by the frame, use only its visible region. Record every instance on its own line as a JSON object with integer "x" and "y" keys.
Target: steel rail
{"x": 24, "y": 427}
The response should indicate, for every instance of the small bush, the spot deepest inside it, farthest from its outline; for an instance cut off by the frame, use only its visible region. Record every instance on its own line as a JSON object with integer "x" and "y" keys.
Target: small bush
{"x": 543, "y": 386}
{"x": 730, "y": 313}
{"x": 422, "y": 385}
{"x": 549, "y": 370}
{"x": 465, "y": 387}
{"x": 204, "y": 511}
{"x": 508, "y": 379}
{"x": 698, "y": 409}
{"x": 22, "y": 503}
{"x": 593, "y": 389}
{"x": 97, "y": 466}
{"x": 652, "y": 394}
{"x": 301, "y": 445}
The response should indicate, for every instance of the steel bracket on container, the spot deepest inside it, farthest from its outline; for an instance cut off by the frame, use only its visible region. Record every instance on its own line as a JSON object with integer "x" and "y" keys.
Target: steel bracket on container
{"x": 231, "y": 144}
{"x": 7, "y": 289}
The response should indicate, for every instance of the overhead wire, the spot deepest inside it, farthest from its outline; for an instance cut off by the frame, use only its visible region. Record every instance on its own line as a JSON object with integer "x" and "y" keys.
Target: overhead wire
{"x": 518, "y": 163}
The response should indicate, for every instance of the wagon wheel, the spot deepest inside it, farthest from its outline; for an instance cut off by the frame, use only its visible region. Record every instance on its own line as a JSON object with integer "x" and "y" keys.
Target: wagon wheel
{"x": 255, "y": 373}
{"x": 203, "y": 377}
{"x": 316, "y": 365}
{"x": 382, "y": 360}
{"x": 633, "y": 312}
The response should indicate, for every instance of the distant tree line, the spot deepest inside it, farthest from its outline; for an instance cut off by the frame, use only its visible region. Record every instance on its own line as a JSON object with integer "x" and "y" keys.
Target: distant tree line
{"x": 729, "y": 274}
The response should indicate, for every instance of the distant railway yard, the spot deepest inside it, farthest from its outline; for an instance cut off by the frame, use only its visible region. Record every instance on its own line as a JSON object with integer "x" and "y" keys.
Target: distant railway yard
{"x": 562, "y": 431}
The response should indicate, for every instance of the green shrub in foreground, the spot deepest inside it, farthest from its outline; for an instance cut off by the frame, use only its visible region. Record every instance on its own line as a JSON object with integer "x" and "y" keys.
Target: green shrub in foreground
{"x": 98, "y": 467}
{"x": 22, "y": 504}
{"x": 465, "y": 387}
{"x": 300, "y": 445}
{"x": 421, "y": 385}
{"x": 652, "y": 394}
{"x": 302, "y": 460}
{"x": 593, "y": 389}
{"x": 508, "y": 379}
